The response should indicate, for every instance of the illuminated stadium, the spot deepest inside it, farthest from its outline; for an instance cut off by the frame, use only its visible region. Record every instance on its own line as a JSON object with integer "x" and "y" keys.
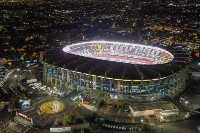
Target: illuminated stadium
{"x": 120, "y": 52}
{"x": 142, "y": 72}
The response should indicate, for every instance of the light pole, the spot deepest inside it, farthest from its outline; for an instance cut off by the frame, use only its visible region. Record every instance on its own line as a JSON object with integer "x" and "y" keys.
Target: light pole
{"x": 76, "y": 80}
{"x": 89, "y": 82}
{"x": 141, "y": 87}
{"x": 105, "y": 82}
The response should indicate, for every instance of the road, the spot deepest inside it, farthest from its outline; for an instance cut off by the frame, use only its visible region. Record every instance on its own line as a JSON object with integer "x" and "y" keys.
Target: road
{"x": 117, "y": 131}
{"x": 10, "y": 80}
{"x": 36, "y": 130}
{"x": 185, "y": 126}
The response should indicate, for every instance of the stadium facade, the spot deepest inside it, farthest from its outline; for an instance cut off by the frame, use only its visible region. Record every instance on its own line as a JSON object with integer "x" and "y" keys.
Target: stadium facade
{"x": 141, "y": 72}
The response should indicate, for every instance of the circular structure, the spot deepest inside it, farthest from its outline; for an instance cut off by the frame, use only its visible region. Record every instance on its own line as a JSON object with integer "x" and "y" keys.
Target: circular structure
{"x": 123, "y": 69}
{"x": 120, "y": 52}
{"x": 52, "y": 107}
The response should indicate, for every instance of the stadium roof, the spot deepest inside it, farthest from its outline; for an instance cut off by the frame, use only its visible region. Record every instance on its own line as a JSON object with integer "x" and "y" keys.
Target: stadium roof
{"x": 116, "y": 70}
{"x": 120, "y": 52}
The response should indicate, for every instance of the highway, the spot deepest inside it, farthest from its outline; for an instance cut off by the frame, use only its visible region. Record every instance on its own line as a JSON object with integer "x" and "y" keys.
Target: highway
{"x": 12, "y": 79}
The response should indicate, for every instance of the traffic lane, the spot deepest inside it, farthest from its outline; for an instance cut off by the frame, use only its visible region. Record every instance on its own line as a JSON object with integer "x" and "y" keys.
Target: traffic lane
{"x": 185, "y": 126}
{"x": 36, "y": 130}
{"x": 11, "y": 80}
{"x": 105, "y": 130}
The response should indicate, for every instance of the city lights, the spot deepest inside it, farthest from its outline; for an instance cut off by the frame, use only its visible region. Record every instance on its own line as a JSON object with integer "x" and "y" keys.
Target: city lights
{"x": 100, "y": 66}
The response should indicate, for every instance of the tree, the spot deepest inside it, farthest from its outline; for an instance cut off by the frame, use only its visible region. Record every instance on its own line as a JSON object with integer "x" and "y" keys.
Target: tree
{"x": 70, "y": 119}
{"x": 23, "y": 95}
{"x": 60, "y": 123}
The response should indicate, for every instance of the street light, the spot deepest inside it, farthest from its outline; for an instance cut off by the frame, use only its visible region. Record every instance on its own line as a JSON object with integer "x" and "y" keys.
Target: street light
{"x": 27, "y": 65}
{"x": 142, "y": 122}
{"x": 161, "y": 119}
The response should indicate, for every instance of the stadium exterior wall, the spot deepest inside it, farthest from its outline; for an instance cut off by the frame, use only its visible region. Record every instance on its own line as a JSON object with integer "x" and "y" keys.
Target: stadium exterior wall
{"x": 138, "y": 90}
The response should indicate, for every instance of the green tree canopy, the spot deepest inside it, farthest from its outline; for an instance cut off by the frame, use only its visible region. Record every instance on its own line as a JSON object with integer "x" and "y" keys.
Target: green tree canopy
{"x": 70, "y": 119}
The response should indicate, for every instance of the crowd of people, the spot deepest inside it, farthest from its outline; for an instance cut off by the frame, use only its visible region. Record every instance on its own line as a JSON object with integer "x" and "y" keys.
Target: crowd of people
{"x": 122, "y": 52}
